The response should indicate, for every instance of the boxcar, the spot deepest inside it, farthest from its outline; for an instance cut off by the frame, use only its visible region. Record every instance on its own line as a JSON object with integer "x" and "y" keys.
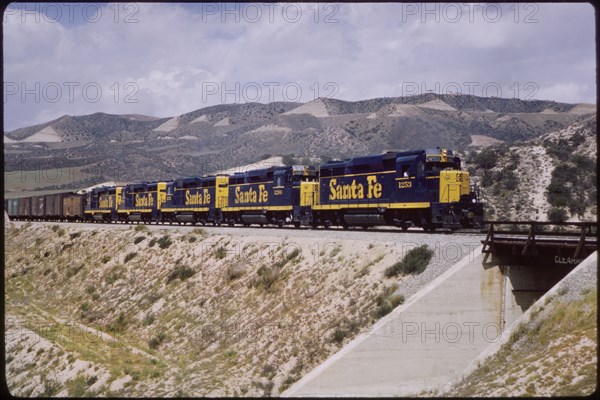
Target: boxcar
{"x": 72, "y": 207}
{"x": 54, "y": 206}
{"x": 25, "y": 208}
{"x": 12, "y": 207}
{"x": 38, "y": 207}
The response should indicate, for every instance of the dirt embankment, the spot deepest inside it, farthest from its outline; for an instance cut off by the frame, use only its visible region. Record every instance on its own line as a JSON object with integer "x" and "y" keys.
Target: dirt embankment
{"x": 138, "y": 312}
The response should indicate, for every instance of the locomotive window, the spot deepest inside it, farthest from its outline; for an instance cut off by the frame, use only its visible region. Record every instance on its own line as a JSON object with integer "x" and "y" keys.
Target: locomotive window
{"x": 279, "y": 181}
{"x": 404, "y": 170}
{"x": 436, "y": 167}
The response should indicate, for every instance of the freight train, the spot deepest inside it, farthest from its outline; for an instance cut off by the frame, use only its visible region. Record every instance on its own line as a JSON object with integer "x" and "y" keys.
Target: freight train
{"x": 421, "y": 188}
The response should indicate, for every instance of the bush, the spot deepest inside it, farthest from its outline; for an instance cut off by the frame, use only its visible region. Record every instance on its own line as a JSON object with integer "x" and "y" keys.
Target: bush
{"x": 267, "y": 276}
{"x": 164, "y": 242}
{"x": 130, "y": 256}
{"x": 141, "y": 228}
{"x": 234, "y": 271}
{"x": 557, "y": 215}
{"x": 414, "y": 262}
{"x": 138, "y": 239}
{"x": 75, "y": 235}
{"x": 152, "y": 243}
{"x": 387, "y": 300}
{"x": 486, "y": 159}
{"x": 487, "y": 179}
{"x": 181, "y": 272}
{"x": 105, "y": 259}
{"x": 220, "y": 253}
{"x": 157, "y": 340}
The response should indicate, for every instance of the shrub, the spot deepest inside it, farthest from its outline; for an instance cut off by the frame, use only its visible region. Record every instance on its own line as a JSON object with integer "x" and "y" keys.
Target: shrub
{"x": 220, "y": 253}
{"x": 487, "y": 179}
{"x": 414, "y": 262}
{"x": 55, "y": 228}
{"x": 138, "y": 239}
{"x": 75, "y": 235}
{"x": 152, "y": 243}
{"x": 234, "y": 271}
{"x": 387, "y": 300}
{"x": 141, "y": 228}
{"x": 181, "y": 272}
{"x": 130, "y": 256}
{"x": 486, "y": 159}
{"x": 148, "y": 319}
{"x": 267, "y": 276}
{"x": 192, "y": 239}
{"x": 557, "y": 215}
{"x": 164, "y": 242}
{"x": 157, "y": 340}
{"x": 339, "y": 335}
{"x": 105, "y": 259}
{"x": 119, "y": 324}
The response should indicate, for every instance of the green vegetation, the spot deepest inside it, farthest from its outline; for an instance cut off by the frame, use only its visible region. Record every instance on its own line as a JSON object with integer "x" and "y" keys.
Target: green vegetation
{"x": 487, "y": 158}
{"x": 220, "y": 253}
{"x": 141, "y": 228}
{"x": 574, "y": 180}
{"x": 414, "y": 262}
{"x": 157, "y": 340}
{"x": 557, "y": 215}
{"x": 164, "y": 242}
{"x": 138, "y": 239}
{"x": 130, "y": 256}
{"x": 181, "y": 272}
{"x": 75, "y": 235}
{"x": 387, "y": 300}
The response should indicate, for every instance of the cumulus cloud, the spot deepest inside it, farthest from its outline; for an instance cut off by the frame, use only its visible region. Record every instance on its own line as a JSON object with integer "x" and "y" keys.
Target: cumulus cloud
{"x": 168, "y": 59}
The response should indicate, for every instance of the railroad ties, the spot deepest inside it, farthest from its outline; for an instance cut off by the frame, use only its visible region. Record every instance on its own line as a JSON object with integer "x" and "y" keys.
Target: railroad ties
{"x": 540, "y": 243}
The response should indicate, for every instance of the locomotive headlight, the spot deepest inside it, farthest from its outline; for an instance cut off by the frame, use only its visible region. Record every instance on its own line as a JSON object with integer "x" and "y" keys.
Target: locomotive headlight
{"x": 473, "y": 200}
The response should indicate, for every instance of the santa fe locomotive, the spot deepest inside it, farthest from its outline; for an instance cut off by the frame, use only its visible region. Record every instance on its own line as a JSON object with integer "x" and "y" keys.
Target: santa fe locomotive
{"x": 420, "y": 188}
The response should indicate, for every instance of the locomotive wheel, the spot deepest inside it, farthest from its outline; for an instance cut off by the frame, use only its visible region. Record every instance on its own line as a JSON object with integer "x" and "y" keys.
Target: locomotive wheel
{"x": 231, "y": 223}
{"x": 327, "y": 224}
{"x": 297, "y": 224}
{"x": 280, "y": 223}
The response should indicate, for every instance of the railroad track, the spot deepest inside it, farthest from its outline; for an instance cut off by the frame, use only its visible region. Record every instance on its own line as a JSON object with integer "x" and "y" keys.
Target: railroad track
{"x": 417, "y": 231}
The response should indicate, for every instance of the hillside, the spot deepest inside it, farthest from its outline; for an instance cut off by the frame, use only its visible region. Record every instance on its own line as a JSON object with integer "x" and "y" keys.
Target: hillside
{"x": 104, "y": 147}
{"x": 118, "y": 311}
{"x": 552, "y": 177}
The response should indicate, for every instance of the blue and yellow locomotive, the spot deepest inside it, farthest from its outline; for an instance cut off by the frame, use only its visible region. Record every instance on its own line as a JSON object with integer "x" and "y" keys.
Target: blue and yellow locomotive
{"x": 421, "y": 188}
{"x": 424, "y": 188}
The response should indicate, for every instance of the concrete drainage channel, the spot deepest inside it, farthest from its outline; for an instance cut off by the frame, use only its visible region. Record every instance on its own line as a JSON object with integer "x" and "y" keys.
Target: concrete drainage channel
{"x": 431, "y": 340}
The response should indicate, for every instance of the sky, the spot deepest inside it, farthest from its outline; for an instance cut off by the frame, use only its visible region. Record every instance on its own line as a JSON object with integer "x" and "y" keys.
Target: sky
{"x": 168, "y": 59}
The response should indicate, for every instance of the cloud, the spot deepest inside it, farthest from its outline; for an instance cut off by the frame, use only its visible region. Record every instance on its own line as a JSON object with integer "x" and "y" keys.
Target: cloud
{"x": 167, "y": 59}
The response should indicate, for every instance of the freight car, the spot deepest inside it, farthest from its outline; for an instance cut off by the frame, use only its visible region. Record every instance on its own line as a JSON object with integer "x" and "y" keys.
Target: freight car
{"x": 72, "y": 207}
{"x": 66, "y": 206}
